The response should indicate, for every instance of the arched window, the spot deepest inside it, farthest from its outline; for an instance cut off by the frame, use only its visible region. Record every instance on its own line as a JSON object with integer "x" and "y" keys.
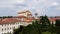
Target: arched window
{"x": 10, "y": 27}
{"x": 2, "y": 33}
{"x": 5, "y": 28}
{"x": 14, "y": 27}
{"x": 2, "y": 29}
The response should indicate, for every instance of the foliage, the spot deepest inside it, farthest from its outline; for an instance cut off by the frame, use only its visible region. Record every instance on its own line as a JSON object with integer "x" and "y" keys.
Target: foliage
{"x": 57, "y": 22}
{"x": 58, "y": 26}
{"x": 41, "y": 26}
{"x": 6, "y": 17}
{"x": 17, "y": 31}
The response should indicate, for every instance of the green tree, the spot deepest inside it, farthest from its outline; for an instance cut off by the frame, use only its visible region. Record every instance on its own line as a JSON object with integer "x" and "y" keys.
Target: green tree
{"x": 17, "y": 31}
{"x": 33, "y": 28}
{"x": 52, "y": 28}
{"x": 37, "y": 27}
{"x": 44, "y": 21}
{"x": 58, "y": 26}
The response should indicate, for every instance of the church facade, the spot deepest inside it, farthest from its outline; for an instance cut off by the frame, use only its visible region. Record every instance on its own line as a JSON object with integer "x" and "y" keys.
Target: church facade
{"x": 8, "y": 24}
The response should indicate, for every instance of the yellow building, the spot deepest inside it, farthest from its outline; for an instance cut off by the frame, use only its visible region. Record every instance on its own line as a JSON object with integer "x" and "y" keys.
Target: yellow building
{"x": 25, "y": 13}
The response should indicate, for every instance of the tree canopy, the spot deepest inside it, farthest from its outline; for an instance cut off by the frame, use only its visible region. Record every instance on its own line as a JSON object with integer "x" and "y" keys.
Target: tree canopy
{"x": 40, "y": 26}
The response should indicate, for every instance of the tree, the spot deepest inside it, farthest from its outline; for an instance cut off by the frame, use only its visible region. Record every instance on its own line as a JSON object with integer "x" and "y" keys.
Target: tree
{"x": 37, "y": 27}
{"x": 57, "y": 22}
{"x": 52, "y": 28}
{"x": 44, "y": 21}
{"x": 33, "y": 28}
{"x": 58, "y": 26}
{"x": 16, "y": 31}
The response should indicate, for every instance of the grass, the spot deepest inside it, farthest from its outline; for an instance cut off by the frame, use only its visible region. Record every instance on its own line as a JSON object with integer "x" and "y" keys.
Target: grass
{"x": 47, "y": 32}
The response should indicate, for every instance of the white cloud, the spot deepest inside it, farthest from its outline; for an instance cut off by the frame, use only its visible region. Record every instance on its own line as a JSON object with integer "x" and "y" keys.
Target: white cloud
{"x": 39, "y": 11}
{"x": 38, "y": 5}
{"x": 20, "y": 1}
{"x": 54, "y": 4}
{"x": 11, "y": 3}
{"x": 7, "y": 3}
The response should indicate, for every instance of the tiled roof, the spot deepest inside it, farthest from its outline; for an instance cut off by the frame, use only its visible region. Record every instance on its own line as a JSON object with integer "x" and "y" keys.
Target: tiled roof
{"x": 15, "y": 20}
{"x": 12, "y": 20}
{"x": 9, "y": 20}
{"x": 28, "y": 21}
{"x": 53, "y": 19}
{"x": 31, "y": 18}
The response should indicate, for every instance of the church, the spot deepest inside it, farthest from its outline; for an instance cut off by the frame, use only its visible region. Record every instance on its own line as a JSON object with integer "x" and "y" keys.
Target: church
{"x": 8, "y": 24}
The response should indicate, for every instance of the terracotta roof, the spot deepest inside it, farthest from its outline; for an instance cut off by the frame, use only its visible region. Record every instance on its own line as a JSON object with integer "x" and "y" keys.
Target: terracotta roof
{"x": 31, "y": 18}
{"x": 12, "y": 20}
{"x": 28, "y": 21}
{"x": 9, "y": 20}
{"x": 53, "y": 19}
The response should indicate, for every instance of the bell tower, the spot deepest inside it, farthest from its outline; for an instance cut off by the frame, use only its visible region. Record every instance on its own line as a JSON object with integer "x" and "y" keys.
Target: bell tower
{"x": 36, "y": 16}
{"x": 26, "y": 13}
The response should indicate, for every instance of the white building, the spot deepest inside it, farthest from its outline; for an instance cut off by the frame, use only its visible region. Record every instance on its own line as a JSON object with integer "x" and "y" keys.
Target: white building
{"x": 8, "y": 24}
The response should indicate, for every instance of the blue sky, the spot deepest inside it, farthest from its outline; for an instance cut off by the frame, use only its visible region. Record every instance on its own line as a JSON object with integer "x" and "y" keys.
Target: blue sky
{"x": 42, "y": 7}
